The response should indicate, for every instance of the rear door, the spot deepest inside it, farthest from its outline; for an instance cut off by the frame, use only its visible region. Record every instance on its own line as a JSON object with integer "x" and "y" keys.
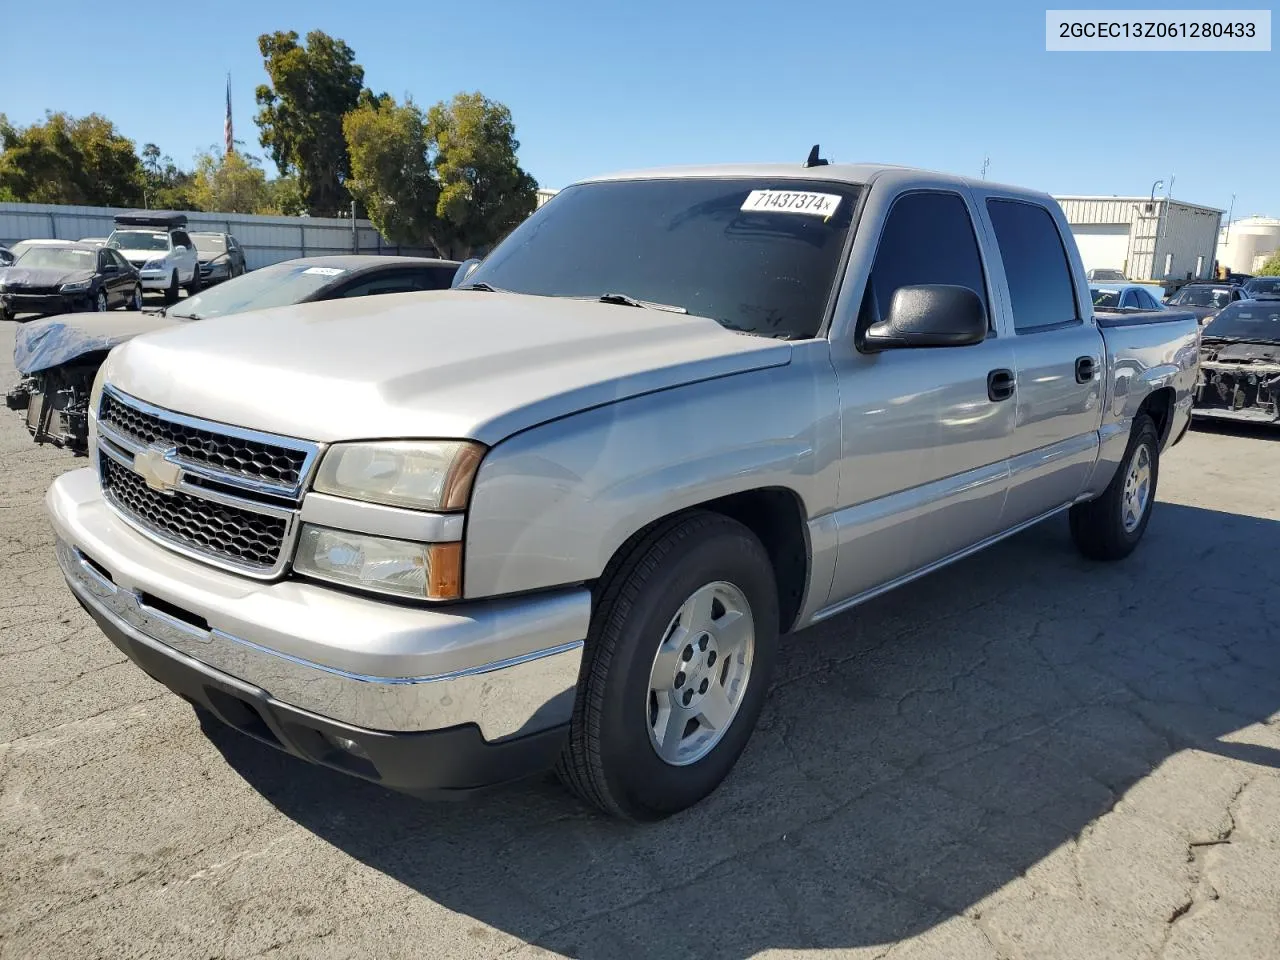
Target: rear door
{"x": 1059, "y": 356}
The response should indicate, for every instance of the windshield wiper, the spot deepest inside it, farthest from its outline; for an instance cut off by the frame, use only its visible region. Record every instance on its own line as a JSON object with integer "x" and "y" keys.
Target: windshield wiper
{"x": 482, "y": 286}
{"x": 625, "y": 300}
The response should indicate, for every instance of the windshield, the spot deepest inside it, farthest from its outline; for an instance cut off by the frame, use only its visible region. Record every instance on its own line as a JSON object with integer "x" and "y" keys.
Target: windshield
{"x": 1203, "y": 297}
{"x": 755, "y": 255}
{"x": 58, "y": 258}
{"x": 1107, "y": 275}
{"x": 1248, "y": 320}
{"x": 1105, "y": 298}
{"x": 1268, "y": 285}
{"x": 273, "y": 286}
{"x": 138, "y": 240}
{"x": 209, "y": 244}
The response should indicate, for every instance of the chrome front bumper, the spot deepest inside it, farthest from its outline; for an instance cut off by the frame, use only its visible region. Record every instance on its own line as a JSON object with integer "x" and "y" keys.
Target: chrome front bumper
{"x": 508, "y": 666}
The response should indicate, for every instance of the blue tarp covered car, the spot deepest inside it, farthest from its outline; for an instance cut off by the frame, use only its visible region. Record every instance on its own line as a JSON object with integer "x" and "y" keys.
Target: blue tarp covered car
{"x": 51, "y": 342}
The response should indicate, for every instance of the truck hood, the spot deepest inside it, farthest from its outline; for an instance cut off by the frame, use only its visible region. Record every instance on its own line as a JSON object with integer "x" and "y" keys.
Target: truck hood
{"x": 448, "y": 364}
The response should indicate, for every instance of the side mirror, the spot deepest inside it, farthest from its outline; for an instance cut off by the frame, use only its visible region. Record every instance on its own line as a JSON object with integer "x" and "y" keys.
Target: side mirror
{"x": 465, "y": 269}
{"x": 180, "y": 248}
{"x": 930, "y": 315}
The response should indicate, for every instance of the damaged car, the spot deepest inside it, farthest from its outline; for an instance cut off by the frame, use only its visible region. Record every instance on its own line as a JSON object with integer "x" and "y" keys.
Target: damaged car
{"x": 58, "y": 357}
{"x": 1240, "y": 364}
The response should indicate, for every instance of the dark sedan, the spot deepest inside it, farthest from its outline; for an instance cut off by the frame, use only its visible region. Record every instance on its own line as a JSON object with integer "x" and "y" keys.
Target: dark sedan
{"x": 1206, "y": 298}
{"x": 1262, "y": 286}
{"x": 66, "y": 279}
{"x": 221, "y": 256}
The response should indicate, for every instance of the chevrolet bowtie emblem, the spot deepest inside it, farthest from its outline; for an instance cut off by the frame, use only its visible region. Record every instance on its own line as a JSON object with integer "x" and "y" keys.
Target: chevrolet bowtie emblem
{"x": 154, "y": 467}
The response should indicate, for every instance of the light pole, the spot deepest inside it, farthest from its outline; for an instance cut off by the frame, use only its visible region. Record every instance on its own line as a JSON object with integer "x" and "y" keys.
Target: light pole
{"x": 1154, "y": 187}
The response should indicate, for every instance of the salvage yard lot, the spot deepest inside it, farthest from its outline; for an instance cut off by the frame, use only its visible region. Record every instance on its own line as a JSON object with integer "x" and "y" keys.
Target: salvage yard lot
{"x": 1026, "y": 755}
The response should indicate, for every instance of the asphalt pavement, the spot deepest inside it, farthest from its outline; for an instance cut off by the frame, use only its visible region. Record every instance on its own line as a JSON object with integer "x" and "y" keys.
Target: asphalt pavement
{"x": 1026, "y": 755}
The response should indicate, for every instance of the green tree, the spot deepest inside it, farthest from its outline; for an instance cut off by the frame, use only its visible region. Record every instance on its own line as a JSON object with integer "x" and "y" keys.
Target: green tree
{"x": 231, "y": 183}
{"x": 166, "y": 187}
{"x": 1271, "y": 266}
{"x": 69, "y": 160}
{"x": 484, "y": 193}
{"x": 390, "y": 174}
{"x": 301, "y": 111}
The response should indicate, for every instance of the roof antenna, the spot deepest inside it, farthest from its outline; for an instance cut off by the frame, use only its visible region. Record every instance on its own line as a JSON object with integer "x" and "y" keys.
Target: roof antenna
{"x": 814, "y": 160}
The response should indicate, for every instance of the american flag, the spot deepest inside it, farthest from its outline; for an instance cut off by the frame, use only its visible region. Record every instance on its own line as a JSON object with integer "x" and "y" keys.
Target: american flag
{"x": 227, "y": 133}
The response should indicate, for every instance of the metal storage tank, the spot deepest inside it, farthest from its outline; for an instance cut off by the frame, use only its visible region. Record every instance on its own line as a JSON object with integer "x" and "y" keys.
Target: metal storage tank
{"x": 1243, "y": 243}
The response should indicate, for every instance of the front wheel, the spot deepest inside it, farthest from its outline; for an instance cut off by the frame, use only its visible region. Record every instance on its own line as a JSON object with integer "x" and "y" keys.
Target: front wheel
{"x": 194, "y": 286}
{"x": 171, "y": 292}
{"x": 678, "y": 658}
{"x": 100, "y": 302}
{"x": 1109, "y": 527}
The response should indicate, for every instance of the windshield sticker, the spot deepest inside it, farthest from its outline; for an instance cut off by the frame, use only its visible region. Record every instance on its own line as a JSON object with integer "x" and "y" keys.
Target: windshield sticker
{"x": 792, "y": 201}
{"x": 324, "y": 271}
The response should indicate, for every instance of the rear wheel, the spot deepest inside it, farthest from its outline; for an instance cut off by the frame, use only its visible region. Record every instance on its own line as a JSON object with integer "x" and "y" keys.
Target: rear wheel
{"x": 1109, "y": 527}
{"x": 681, "y": 646}
{"x": 135, "y": 298}
{"x": 171, "y": 292}
{"x": 6, "y": 313}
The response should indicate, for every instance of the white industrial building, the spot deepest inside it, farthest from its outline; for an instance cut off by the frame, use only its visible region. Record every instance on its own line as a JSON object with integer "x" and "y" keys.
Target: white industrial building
{"x": 1150, "y": 239}
{"x": 1245, "y": 244}
{"x": 545, "y": 195}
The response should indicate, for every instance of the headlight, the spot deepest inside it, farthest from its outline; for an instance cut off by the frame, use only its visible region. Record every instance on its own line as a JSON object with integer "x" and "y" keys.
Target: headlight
{"x": 154, "y": 264}
{"x": 423, "y": 571}
{"x": 79, "y": 287}
{"x": 420, "y": 475}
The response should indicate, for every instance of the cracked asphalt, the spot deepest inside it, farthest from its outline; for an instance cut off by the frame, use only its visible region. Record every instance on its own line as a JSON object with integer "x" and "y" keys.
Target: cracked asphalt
{"x": 1024, "y": 756}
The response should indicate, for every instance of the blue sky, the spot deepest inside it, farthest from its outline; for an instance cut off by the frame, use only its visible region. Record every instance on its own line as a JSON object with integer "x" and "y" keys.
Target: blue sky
{"x": 595, "y": 89}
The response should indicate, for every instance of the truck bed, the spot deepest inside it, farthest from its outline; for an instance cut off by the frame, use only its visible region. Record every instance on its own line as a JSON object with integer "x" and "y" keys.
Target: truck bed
{"x": 1131, "y": 316}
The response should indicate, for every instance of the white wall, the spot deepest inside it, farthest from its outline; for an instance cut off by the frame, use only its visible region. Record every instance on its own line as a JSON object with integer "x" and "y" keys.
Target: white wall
{"x": 1102, "y": 245}
{"x": 265, "y": 239}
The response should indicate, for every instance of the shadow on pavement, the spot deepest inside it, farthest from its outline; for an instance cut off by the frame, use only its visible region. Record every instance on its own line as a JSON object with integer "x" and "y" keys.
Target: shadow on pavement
{"x": 915, "y": 756}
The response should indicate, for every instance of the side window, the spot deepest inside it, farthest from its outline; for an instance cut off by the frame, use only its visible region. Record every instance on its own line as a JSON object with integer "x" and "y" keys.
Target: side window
{"x": 180, "y": 238}
{"x": 1129, "y": 299}
{"x": 400, "y": 281}
{"x": 104, "y": 259}
{"x": 928, "y": 238}
{"x": 1035, "y": 265}
{"x": 435, "y": 278}
{"x": 1152, "y": 302}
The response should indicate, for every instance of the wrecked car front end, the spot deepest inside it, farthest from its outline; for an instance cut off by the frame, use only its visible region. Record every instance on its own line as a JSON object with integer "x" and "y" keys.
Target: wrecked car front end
{"x": 1240, "y": 364}
{"x": 58, "y": 359}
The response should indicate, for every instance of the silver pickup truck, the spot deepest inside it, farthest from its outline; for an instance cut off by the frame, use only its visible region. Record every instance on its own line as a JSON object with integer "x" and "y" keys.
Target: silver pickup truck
{"x": 561, "y": 514}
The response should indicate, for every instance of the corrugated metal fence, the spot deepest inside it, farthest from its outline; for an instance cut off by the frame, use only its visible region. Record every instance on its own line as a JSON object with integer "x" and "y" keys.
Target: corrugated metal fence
{"x": 265, "y": 239}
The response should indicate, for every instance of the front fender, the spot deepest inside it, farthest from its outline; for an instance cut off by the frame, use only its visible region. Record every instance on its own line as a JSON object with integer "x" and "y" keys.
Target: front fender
{"x": 551, "y": 505}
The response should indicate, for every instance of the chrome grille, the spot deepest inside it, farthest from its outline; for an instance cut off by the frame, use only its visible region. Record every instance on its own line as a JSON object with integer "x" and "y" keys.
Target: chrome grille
{"x": 225, "y": 495}
{"x": 238, "y": 455}
{"x": 241, "y": 536}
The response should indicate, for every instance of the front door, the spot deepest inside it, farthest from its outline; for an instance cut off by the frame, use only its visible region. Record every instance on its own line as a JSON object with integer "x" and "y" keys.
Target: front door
{"x": 926, "y": 432}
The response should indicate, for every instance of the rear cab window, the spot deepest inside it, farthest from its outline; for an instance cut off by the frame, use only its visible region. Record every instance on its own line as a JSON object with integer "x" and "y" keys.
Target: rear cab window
{"x": 1041, "y": 292}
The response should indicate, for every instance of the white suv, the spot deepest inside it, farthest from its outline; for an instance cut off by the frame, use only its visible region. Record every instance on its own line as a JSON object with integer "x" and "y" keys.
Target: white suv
{"x": 157, "y": 244}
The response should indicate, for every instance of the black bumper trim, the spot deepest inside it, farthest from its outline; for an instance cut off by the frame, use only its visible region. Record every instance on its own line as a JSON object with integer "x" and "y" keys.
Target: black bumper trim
{"x": 431, "y": 763}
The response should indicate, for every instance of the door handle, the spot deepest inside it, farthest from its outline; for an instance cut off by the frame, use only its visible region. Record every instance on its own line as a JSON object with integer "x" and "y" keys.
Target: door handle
{"x": 1000, "y": 384}
{"x": 1085, "y": 369}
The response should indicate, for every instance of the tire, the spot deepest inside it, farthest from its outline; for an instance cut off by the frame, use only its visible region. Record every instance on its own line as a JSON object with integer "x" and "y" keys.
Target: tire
{"x": 171, "y": 292}
{"x": 135, "y": 298}
{"x": 196, "y": 284}
{"x": 1110, "y": 526}
{"x": 100, "y": 303}
{"x": 612, "y": 758}
{"x": 6, "y": 314}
